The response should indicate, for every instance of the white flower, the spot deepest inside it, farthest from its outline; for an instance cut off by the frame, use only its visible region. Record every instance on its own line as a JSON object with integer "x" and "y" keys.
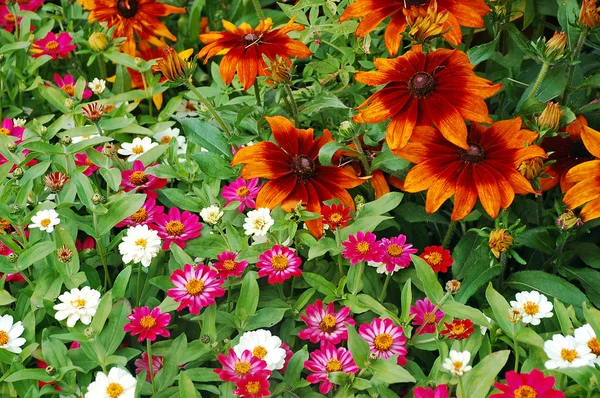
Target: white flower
{"x": 483, "y": 328}
{"x": 141, "y": 244}
{"x": 136, "y": 148}
{"x": 211, "y": 214}
{"x": 75, "y": 140}
{"x": 18, "y": 122}
{"x": 457, "y": 362}
{"x": 45, "y": 220}
{"x": 533, "y": 306}
{"x": 258, "y": 221}
{"x": 166, "y": 136}
{"x": 77, "y": 305}
{"x": 566, "y": 352}
{"x": 263, "y": 345}
{"x": 585, "y": 335}
{"x": 118, "y": 384}
{"x": 97, "y": 86}
{"x": 381, "y": 267}
{"x": 187, "y": 108}
{"x": 9, "y": 334}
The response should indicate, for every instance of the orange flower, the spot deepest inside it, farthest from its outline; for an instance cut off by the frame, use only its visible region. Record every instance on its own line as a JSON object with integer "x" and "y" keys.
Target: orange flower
{"x": 438, "y": 88}
{"x": 245, "y": 47}
{"x": 488, "y": 169}
{"x": 294, "y": 170}
{"x": 129, "y": 16}
{"x": 373, "y": 12}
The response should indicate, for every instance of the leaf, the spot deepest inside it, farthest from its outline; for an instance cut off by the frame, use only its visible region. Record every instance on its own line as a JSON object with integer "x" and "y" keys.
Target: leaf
{"x": 568, "y": 11}
{"x": 537, "y": 238}
{"x": 186, "y": 387}
{"x": 207, "y": 136}
{"x": 358, "y": 347}
{"x": 589, "y": 279}
{"x": 181, "y": 200}
{"x": 548, "y": 284}
{"x": 432, "y": 286}
{"x": 589, "y": 253}
{"x": 501, "y": 309}
{"x": 113, "y": 333}
{"x": 293, "y": 372}
{"x": 266, "y": 318}
{"x": 478, "y": 381}
{"x": 552, "y": 86}
{"x": 328, "y": 150}
{"x": 120, "y": 286}
{"x": 34, "y": 254}
{"x": 248, "y": 301}
{"x": 214, "y": 165}
{"x": 366, "y": 224}
{"x": 414, "y": 213}
{"x": 384, "y": 204}
{"x": 323, "y": 101}
{"x": 122, "y": 208}
{"x": 470, "y": 286}
{"x": 461, "y": 311}
{"x": 318, "y": 282}
{"x": 102, "y": 312}
{"x": 483, "y": 52}
{"x": 390, "y": 372}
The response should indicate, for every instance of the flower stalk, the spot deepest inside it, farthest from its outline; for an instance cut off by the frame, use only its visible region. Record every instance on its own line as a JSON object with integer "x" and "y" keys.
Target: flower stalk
{"x": 539, "y": 80}
{"x": 574, "y": 58}
{"x": 208, "y": 106}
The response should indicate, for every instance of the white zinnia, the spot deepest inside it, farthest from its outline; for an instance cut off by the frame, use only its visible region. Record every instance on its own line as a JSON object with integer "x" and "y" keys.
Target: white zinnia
{"x": 187, "y": 108}
{"x": 45, "y": 220}
{"x": 258, "y": 222}
{"x": 381, "y": 268}
{"x": 533, "y": 306}
{"x": 566, "y": 352}
{"x": 18, "y": 122}
{"x": 75, "y": 140}
{"x": 9, "y": 334}
{"x": 136, "y": 148}
{"x": 585, "y": 335}
{"x": 263, "y": 345}
{"x": 77, "y": 305}
{"x": 118, "y": 384}
{"x": 211, "y": 214}
{"x": 141, "y": 244}
{"x": 457, "y": 362}
{"x": 97, "y": 86}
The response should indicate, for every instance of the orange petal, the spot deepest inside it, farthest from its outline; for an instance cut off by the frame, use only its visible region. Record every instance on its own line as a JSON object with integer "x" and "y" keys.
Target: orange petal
{"x": 583, "y": 171}
{"x": 402, "y": 125}
{"x": 314, "y": 205}
{"x": 487, "y": 190}
{"x": 247, "y": 67}
{"x": 591, "y": 210}
{"x": 275, "y": 191}
{"x": 442, "y": 189}
{"x": 583, "y": 192}
{"x": 284, "y": 133}
{"x": 591, "y": 140}
{"x": 447, "y": 119}
{"x": 379, "y": 183}
{"x": 465, "y": 195}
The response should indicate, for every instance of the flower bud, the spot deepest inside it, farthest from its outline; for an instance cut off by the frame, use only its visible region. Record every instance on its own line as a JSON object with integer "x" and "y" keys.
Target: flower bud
{"x": 50, "y": 370}
{"x": 589, "y": 17}
{"x": 15, "y": 209}
{"x": 555, "y": 47}
{"x": 18, "y": 173}
{"x": 205, "y": 339}
{"x": 89, "y": 332}
{"x": 568, "y": 220}
{"x": 280, "y": 70}
{"x": 138, "y": 61}
{"x": 12, "y": 147}
{"x": 93, "y": 112}
{"x": 97, "y": 199}
{"x": 514, "y": 315}
{"x": 359, "y": 201}
{"x": 531, "y": 168}
{"x": 172, "y": 66}
{"x": 109, "y": 149}
{"x": 13, "y": 257}
{"x": 549, "y": 119}
{"x": 372, "y": 357}
{"x": 55, "y": 181}
{"x": 43, "y": 129}
{"x": 452, "y": 286}
{"x": 66, "y": 140}
{"x": 64, "y": 254}
{"x": 500, "y": 241}
{"x": 69, "y": 103}
{"x": 425, "y": 22}
{"x": 98, "y": 42}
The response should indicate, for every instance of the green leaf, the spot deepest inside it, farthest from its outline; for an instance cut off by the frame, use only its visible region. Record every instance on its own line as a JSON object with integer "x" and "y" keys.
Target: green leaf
{"x": 207, "y": 136}
{"x": 548, "y": 284}
{"x": 529, "y": 336}
{"x": 120, "y": 286}
{"x": 34, "y": 254}
{"x": 293, "y": 373}
{"x": 589, "y": 253}
{"x": 365, "y": 224}
{"x": 537, "y": 238}
{"x": 568, "y": 12}
{"x": 432, "y": 286}
{"x": 384, "y": 204}
{"x": 102, "y": 313}
{"x": 501, "y": 309}
{"x": 323, "y": 101}
{"x": 478, "y": 381}
{"x": 266, "y": 318}
{"x": 588, "y": 278}
{"x": 181, "y": 200}
{"x": 481, "y": 53}
{"x": 249, "y": 294}
{"x": 113, "y": 333}
{"x": 328, "y": 150}
{"x": 470, "y": 286}
{"x": 461, "y": 311}
{"x": 552, "y": 86}
{"x": 214, "y": 165}
{"x": 390, "y": 372}
{"x": 186, "y": 387}
{"x": 29, "y": 374}
{"x": 358, "y": 347}
{"x": 123, "y": 207}
{"x": 318, "y": 282}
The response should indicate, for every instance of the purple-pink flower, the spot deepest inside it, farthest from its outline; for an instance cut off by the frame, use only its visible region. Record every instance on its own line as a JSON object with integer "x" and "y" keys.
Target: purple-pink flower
{"x": 67, "y": 85}
{"x": 57, "y": 46}
{"x": 227, "y": 266}
{"x": 82, "y": 159}
{"x": 242, "y": 191}
{"x": 395, "y": 252}
{"x": 440, "y": 391}
{"x": 145, "y": 215}
{"x": 177, "y": 227}
{"x": 324, "y": 324}
{"x": 362, "y": 247}
{"x": 423, "y": 312}
{"x": 148, "y": 324}
{"x": 385, "y": 339}
{"x": 9, "y": 129}
{"x": 279, "y": 263}
{"x": 327, "y": 360}
{"x": 143, "y": 363}
{"x": 138, "y": 180}
{"x": 239, "y": 368}
{"x": 195, "y": 288}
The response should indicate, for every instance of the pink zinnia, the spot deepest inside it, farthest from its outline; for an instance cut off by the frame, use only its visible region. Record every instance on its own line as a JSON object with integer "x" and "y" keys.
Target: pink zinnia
{"x": 139, "y": 181}
{"x": 242, "y": 191}
{"x": 327, "y": 360}
{"x": 441, "y": 391}
{"x": 362, "y": 247}
{"x": 395, "y": 252}
{"x": 195, "y": 288}
{"x": 177, "y": 227}
{"x": 9, "y": 129}
{"x": 81, "y": 159}
{"x": 227, "y": 266}
{"x": 148, "y": 324}
{"x": 422, "y": 311}
{"x": 88, "y": 243}
{"x": 288, "y": 355}
{"x": 279, "y": 264}
{"x": 239, "y": 368}
{"x": 67, "y": 85}
{"x": 142, "y": 364}
{"x": 13, "y": 277}
{"x": 532, "y": 384}
{"x": 385, "y": 339}
{"x": 143, "y": 216}
{"x": 323, "y": 324}
{"x": 253, "y": 386}
{"x": 56, "y": 46}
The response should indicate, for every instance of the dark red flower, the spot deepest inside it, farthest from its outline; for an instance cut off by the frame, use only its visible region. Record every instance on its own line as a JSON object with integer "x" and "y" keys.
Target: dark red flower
{"x": 458, "y": 329}
{"x": 438, "y": 258}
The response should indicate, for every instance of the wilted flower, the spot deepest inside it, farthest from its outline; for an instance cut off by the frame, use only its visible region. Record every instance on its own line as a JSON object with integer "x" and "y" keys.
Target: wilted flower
{"x": 531, "y": 168}
{"x": 589, "y": 16}
{"x": 500, "y": 241}
{"x": 452, "y": 286}
{"x": 568, "y": 220}
{"x": 555, "y": 47}
{"x": 280, "y": 70}
{"x": 93, "y": 112}
{"x": 55, "y": 181}
{"x": 98, "y": 41}
{"x": 515, "y": 315}
{"x": 425, "y": 22}
{"x": 64, "y": 254}
{"x": 549, "y": 119}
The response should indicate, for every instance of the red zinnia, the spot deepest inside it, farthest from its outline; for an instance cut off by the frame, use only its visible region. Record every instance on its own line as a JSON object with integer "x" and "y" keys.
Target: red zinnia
{"x": 177, "y": 227}
{"x": 335, "y": 215}
{"x": 137, "y": 179}
{"x": 148, "y": 324}
{"x": 279, "y": 264}
{"x": 239, "y": 368}
{"x": 438, "y": 258}
{"x": 532, "y": 384}
{"x": 458, "y": 329}
{"x": 253, "y": 386}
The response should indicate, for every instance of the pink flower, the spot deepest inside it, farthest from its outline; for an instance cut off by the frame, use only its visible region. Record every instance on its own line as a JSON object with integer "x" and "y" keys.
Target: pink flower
{"x": 143, "y": 216}
{"x": 441, "y": 391}
{"x": 385, "y": 339}
{"x": 227, "y": 266}
{"x": 67, "y": 84}
{"x": 88, "y": 243}
{"x": 195, "y": 288}
{"x": 81, "y": 159}
{"x": 532, "y": 384}
{"x": 142, "y": 364}
{"x": 288, "y": 355}
{"x": 137, "y": 179}
{"x": 323, "y": 324}
{"x": 422, "y": 310}
{"x": 13, "y": 277}
{"x": 253, "y": 386}
{"x": 362, "y": 247}
{"x": 53, "y": 45}
{"x": 395, "y": 252}
{"x": 242, "y": 191}
{"x": 239, "y": 368}
{"x": 9, "y": 129}
{"x": 177, "y": 227}
{"x": 327, "y": 360}
{"x": 279, "y": 264}
{"x": 148, "y": 324}
{"x": 7, "y": 18}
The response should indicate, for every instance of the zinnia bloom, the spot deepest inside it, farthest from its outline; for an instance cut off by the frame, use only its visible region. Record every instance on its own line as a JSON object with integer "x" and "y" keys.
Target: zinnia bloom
{"x": 253, "y": 386}
{"x": 566, "y": 352}
{"x": 336, "y": 215}
{"x": 227, "y": 266}
{"x": 242, "y": 191}
{"x": 373, "y": 12}
{"x": 533, "y": 306}
{"x": 385, "y": 339}
{"x": 327, "y": 360}
{"x": 148, "y": 323}
{"x": 294, "y": 170}
{"x": 438, "y": 88}
{"x": 145, "y": 215}
{"x": 395, "y": 252}
{"x": 137, "y": 179}
{"x": 361, "y": 247}
{"x": 236, "y": 368}
{"x": 133, "y": 16}
{"x": 324, "y": 324}
{"x": 143, "y": 363}
{"x": 488, "y": 169}
{"x": 67, "y": 85}
{"x": 8, "y": 128}
{"x": 177, "y": 227}
{"x": 423, "y": 312}
{"x": 532, "y": 384}
{"x": 195, "y": 287}
{"x": 586, "y": 335}
{"x": 118, "y": 383}
{"x": 81, "y": 159}
{"x": 441, "y": 391}
{"x": 458, "y": 329}
{"x": 56, "y": 46}
{"x": 438, "y": 258}
{"x": 456, "y": 363}
{"x": 263, "y": 345}
{"x": 244, "y": 49}
{"x": 10, "y": 332}
{"x": 279, "y": 264}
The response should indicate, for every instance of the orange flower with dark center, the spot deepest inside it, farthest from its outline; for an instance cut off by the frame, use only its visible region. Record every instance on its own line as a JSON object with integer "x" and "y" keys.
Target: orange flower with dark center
{"x": 294, "y": 170}
{"x": 438, "y": 88}
{"x": 488, "y": 169}
{"x": 373, "y": 12}
{"x": 133, "y": 16}
{"x": 244, "y": 48}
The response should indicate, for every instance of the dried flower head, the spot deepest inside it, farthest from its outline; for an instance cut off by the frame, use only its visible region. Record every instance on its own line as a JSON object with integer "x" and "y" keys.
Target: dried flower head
{"x": 425, "y": 22}
{"x": 531, "y": 168}
{"x": 93, "y": 112}
{"x": 64, "y": 254}
{"x": 280, "y": 70}
{"x": 172, "y": 66}
{"x": 589, "y": 17}
{"x": 109, "y": 149}
{"x": 55, "y": 181}
{"x": 568, "y": 220}
{"x": 515, "y": 316}
{"x": 453, "y": 286}
{"x": 549, "y": 119}
{"x": 500, "y": 241}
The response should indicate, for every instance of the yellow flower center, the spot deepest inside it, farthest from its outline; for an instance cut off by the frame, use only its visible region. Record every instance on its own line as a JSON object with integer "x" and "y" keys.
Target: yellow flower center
{"x": 457, "y": 365}
{"x": 10, "y": 19}
{"x": 430, "y": 321}
{"x": 242, "y": 368}
{"x": 433, "y": 258}
{"x": 166, "y": 139}
{"x": 279, "y": 262}
{"x": 525, "y": 392}
{"x": 334, "y": 365}
{"x": 138, "y": 149}
{"x": 335, "y": 217}
{"x": 394, "y": 250}
{"x": 458, "y": 328}
{"x": 4, "y": 131}
{"x": 531, "y": 308}
{"x": 363, "y": 247}
{"x": 52, "y": 45}
{"x": 138, "y": 178}
{"x": 242, "y": 192}
{"x": 79, "y": 303}
{"x": 327, "y": 324}
{"x": 568, "y": 355}
{"x": 259, "y": 352}
{"x": 229, "y": 265}
{"x": 141, "y": 242}
{"x": 194, "y": 286}
{"x": 45, "y": 222}
{"x": 139, "y": 216}
{"x": 383, "y": 342}
{"x": 68, "y": 89}
{"x": 114, "y": 390}
{"x": 148, "y": 322}
{"x": 594, "y": 345}
{"x": 3, "y": 337}
{"x": 253, "y": 387}
{"x": 175, "y": 228}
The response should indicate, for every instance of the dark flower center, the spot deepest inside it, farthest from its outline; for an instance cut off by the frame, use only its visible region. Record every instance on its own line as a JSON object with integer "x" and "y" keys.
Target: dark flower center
{"x": 473, "y": 155}
{"x": 416, "y": 3}
{"x": 251, "y": 38}
{"x": 579, "y": 151}
{"x": 421, "y": 84}
{"x": 303, "y": 167}
{"x": 127, "y": 8}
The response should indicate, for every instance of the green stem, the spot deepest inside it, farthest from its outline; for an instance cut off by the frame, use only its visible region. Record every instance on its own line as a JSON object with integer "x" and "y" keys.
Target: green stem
{"x": 102, "y": 253}
{"x": 574, "y": 58}
{"x": 361, "y": 271}
{"x": 385, "y": 286}
{"x": 258, "y": 9}
{"x": 208, "y": 106}
{"x": 338, "y": 241}
{"x": 292, "y": 287}
{"x": 98, "y": 129}
{"x": 224, "y": 236}
{"x": 448, "y": 235}
{"x": 102, "y": 66}
{"x": 540, "y": 209}
{"x": 462, "y": 388}
{"x": 257, "y": 93}
{"x": 361, "y": 155}
{"x": 293, "y": 105}
{"x": 516, "y": 355}
{"x": 138, "y": 286}
{"x": 429, "y": 318}
{"x": 149, "y": 349}
{"x": 539, "y": 80}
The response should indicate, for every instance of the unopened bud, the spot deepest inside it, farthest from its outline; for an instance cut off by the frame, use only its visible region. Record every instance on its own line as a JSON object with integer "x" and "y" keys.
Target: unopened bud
{"x": 515, "y": 316}
{"x": 89, "y": 332}
{"x": 18, "y": 173}
{"x": 66, "y": 140}
{"x": 500, "y": 241}
{"x": 359, "y": 201}
{"x": 97, "y": 199}
{"x": 549, "y": 119}
{"x": 172, "y": 66}
{"x": 50, "y": 370}
{"x": 205, "y": 339}
{"x": 568, "y": 220}
{"x": 531, "y": 168}
{"x": 589, "y": 16}
{"x": 280, "y": 70}
{"x": 69, "y": 103}
{"x": 12, "y": 147}
{"x": 373, "y": 357}
{"x": 43, "y": 129}
{"x": 555, "y": 47}
{"x": 453, "y": 286}
{"x": 109, "y": 149}
{"x": 138, "y": 61}
{"x": 55, "y": 181}
{"x": 13, "y": 257}
{"x": 15, "y": 209}
{"x": 98, "y": 42}
{"x": 93, "y": 112}
{"x": 64, "y": 254}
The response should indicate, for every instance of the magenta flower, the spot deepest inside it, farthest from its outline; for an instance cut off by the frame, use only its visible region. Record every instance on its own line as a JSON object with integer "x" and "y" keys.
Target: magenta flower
{"x": 395, "y": 252}
{"x": 227, "y": 266}
{"x": 288, "y": 355}
{"x": 142, "y": 364}
{"x": 362, "y": 247}
{"x": 7, "y": 19}
{"x": 137, "y": 179}
{"x": 242, "y": 191}
{"x": 323, "y": 324}
{"x": 81, "y": 159}
{"x": 145, "y": 215}
{"x": 239, "y": 368}
{"x": 9, "y": 129}
{"x": 88, "y": 243}
{"x": 56, "y": 46}
{"x": 532, "y": 384}
{"x": 441, "y": 391}
{"x": 148, "y": 324}
{"x": 67, "y": 85}
{"x": 327, "y": 360}
{"x": 279, "y": 263}
{"x": 177, "y": 227}
{"x": 385, "y": 339}
{"x": 422, "y": 311}
{"x": 195, "y": 288}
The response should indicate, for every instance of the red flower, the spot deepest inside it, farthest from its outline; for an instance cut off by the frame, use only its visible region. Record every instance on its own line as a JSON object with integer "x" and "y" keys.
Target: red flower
{"x": 438, "y": 258}
{"x": 253, "y": 386}
{"x": 335, "y": 215}
{"x": 458, "y": 329}
{"x": 81, "y": 159}
{"x": 532, "y": 384}
{"x": 177, "y": 227}
{"x": 137, "y": 179}
{"x": 88, "y": 243}
{"x": 148, "y": 324}
{"x": 236, "y": 368}
{"x": 441, "y": 391}
{"x": 56, "y": 46}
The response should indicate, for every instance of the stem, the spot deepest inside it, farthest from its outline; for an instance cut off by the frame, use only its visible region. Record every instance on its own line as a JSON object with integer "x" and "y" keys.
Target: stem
{"x": 429, "y": 318}
{"x": 208, "y": 106}
{"x": 98, "y": 129}
{"x": 257, "y": 93}
{"x": 361, "y": 154}
{"x": 224, "y": 236}
{"x": 292, "y": 287}
{"x": 448, "y": 235}
{"x": 385, "y": 286}
{"x": 462, "y": 388}
{"x": 102, "y": 254}
{"x": 339, "y": 256}
{"x": 102, "y": 66}
{"x": 228, "y": 299}
{"x": 516, "y": 355}
{"x": 144, "y": 81}
{"x": 574, "y": 57}
{"x": 539, "y": 80}
{"x": 293, "y": 105}
{"x": 259, "y": 12}
{"x": 361, "y": 270}
{"x": 149, "y": 349}
{"x": 138, "y": 284}
{"x": 540, "y": 209}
